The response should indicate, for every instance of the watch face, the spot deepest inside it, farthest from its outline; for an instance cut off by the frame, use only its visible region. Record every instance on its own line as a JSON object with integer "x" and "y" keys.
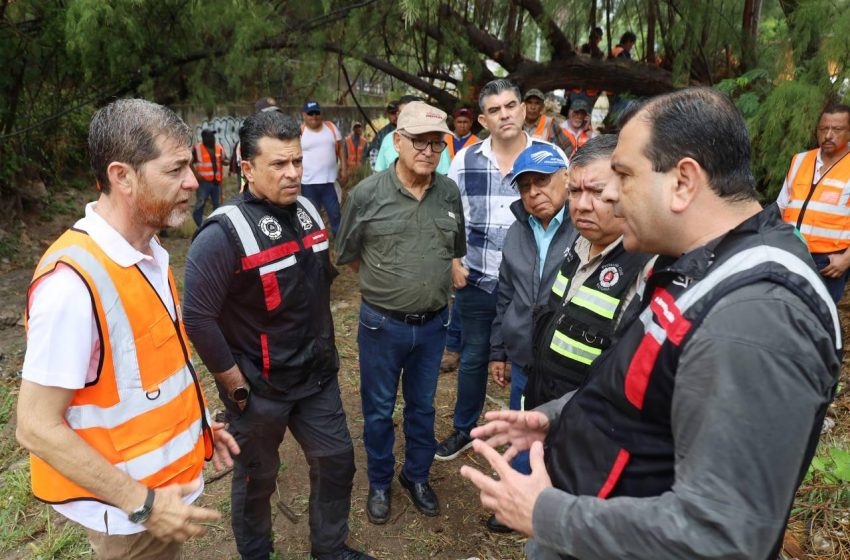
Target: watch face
{"x": 240, "y": 394}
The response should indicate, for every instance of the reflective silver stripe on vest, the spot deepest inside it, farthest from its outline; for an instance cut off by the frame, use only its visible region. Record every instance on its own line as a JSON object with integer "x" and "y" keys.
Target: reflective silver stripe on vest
{"x": 242, "y": 227}
{"x": 153, "y": 461}
{"x": 838, "y": 235}
{"x": 571, "y": 348}
{"x": 741, "y": 262}
{"x": 596, "y": 301}
{"x": 135, "y": 404}
{"x": 278, "y": 265}
{"x": 795, "y": 166}
{"x": 834, "y": 209}
{"x": 121, "y": 340}
{"x": 305, "y": 202}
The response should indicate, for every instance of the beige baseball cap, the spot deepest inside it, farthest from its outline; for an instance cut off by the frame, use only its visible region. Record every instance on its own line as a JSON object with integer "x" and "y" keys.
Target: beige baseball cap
{"x": 418, "y": 117}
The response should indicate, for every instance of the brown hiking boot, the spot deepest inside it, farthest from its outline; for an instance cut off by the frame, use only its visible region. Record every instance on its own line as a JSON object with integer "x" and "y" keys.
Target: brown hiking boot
{"x": 450, "y": 361}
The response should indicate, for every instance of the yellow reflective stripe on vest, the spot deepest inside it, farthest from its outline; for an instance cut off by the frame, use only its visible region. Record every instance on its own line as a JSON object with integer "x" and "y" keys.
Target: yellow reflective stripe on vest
{"x": 573, "y": 349}
{"x": 153, "y": 461}
{"x": 128, "y": 378}
{"x": 596, "y": 301}
{"x": 560, "y": 285}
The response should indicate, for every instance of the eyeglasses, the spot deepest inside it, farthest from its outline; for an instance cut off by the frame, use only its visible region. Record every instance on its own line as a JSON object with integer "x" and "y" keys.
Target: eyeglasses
{"x": 835, "y": 129}
{"x": 540, "y": 181}
{"x": 437, "y": 146}
{"x": 313, "y": 113}
{"x": 575, "y": 193}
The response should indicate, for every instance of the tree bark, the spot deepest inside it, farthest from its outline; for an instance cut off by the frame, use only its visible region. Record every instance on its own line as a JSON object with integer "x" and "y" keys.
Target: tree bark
{"x": 651, "y": 19}
{"x": 749, "y": 33}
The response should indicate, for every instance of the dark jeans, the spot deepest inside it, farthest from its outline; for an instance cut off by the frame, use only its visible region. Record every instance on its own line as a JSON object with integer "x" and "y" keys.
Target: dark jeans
{"x": 835, "y": 286}
{"x": 387, "y": 348}
{"x": 318, "y": 424}
{"x": 324, "y": 194}
{"x": 477, "y": 310}
{"x": 453, "y": 333}
{"x": 207, "y": 189}
{"x": 518, "y": 382}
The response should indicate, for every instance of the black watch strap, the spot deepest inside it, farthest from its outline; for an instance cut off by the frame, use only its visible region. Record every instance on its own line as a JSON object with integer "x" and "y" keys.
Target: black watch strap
{"x": 142, "y": 514}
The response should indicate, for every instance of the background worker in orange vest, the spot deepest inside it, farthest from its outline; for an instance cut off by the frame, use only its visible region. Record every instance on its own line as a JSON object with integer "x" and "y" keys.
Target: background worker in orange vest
{"x": 209, "y": 161}
{"x": 814, "y": 198}
{"x": 462, "y": 136}
{"x": 577, "y": 126}
{"x": 355, "y": 146}
{"x": 542, "y": 126}
{"x": 115, "y": 422}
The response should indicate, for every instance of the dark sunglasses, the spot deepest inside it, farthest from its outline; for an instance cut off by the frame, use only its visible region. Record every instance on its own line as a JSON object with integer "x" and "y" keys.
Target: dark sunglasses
{"x": 313, "y": 113}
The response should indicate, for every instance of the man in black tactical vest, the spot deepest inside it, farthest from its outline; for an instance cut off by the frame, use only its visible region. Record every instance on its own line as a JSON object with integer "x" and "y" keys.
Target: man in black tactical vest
{"x": 691, "y": 434}
{"x": 257, "y": 310}
{"x": 594, "y": 288}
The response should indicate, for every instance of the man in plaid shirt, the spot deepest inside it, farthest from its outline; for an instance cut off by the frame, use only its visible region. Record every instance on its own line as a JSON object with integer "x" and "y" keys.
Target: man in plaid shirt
{"x": 483, "y": 174}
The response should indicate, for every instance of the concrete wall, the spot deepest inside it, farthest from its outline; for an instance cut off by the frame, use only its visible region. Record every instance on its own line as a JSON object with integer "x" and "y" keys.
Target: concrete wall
{"x": 227, "y": 119}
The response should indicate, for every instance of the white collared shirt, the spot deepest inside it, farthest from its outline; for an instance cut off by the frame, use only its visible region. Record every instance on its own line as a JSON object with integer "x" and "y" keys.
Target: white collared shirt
{"x": 63, "y": 345}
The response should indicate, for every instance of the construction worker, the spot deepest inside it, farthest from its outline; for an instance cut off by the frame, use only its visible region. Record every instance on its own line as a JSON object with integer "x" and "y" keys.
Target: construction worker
{"x": 462, "y": 135}
{"x": 690, "y": 436}
{"x": 814, "y": 198}
{"x": 577, "y": 126}
{"x": 355, "y": 146}
{"x": 110, "y": 405}
{"x": 623, "y": 49}
{"x": 539, "y": 125}
{"x": 209, "y": 161}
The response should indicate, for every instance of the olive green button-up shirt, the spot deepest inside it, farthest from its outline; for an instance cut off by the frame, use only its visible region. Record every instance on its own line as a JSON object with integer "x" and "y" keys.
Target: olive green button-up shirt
{"x": 405, "y": 246}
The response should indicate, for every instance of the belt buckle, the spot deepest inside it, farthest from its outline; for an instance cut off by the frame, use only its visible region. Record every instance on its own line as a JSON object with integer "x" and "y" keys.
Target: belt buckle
{"x": 414, "y": 318}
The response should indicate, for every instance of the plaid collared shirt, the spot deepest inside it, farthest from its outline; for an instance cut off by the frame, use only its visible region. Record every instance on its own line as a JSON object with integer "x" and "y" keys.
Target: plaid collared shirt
{"x": 486, "y": 196}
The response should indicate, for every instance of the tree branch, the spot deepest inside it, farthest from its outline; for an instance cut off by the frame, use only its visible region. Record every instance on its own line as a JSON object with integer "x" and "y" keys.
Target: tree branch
{"x": 486, "y": 43}
{"x": 558, "y": 42}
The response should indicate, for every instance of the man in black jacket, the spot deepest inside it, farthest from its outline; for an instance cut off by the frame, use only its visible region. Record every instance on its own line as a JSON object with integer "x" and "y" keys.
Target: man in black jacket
{"x": 257, "y": 310}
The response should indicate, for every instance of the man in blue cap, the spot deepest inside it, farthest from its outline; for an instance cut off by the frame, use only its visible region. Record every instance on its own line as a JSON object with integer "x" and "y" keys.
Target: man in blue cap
{"x": 534, "y": 248}
{"x": 321, "y": 144}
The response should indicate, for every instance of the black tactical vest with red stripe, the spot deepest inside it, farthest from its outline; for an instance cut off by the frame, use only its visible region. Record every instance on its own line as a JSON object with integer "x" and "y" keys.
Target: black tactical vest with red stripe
{"x": 277, "y": 317}
{"x": 614, "y": 437}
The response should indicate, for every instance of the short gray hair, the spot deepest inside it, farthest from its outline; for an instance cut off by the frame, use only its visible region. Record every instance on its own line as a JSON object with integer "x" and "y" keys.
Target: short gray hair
{"x": 126, "y": 131}
{"x": 495, "y": 87}
{"x": 598, "y": 147}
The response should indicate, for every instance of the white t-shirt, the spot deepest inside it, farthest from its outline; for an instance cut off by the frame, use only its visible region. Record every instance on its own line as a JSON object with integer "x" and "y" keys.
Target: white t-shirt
{"x": 319, "y": 150}
{"x": 61, "y": 353}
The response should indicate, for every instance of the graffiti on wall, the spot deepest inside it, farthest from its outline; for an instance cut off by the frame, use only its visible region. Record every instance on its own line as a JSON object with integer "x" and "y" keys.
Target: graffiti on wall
{"x": 226, "y": 131}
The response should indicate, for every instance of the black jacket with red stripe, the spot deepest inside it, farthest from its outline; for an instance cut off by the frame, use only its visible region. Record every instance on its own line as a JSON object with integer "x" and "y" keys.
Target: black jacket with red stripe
{"x": 276, "y": 317}
{"x": 614, "y": 436}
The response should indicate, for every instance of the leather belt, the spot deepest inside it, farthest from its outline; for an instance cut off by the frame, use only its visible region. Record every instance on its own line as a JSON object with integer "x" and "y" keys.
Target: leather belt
{"x": 405, "y": 317}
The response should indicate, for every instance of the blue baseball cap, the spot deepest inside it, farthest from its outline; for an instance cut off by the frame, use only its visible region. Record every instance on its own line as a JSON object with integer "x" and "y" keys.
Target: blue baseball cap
{"x": 311, "y": 106}
{"x": 540, "y": 158}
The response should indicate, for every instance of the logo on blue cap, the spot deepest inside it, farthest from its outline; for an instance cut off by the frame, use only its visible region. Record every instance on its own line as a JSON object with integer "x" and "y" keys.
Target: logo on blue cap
{"x": 540, "y": 158}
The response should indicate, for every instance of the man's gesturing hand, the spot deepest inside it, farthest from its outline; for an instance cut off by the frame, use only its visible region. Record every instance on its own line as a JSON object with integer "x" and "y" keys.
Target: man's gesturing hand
{"x": 224, "y": 448}
{"x": 516, "y": 428}
{"x": 173, "y": 520}
{"x": 512, "y": 497}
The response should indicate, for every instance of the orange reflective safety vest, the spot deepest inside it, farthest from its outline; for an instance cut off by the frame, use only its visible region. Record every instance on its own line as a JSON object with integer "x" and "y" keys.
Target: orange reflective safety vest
{"x": 819, "y": 210}
{"x": 204, "y": 163}
{"x": 450, "y": 142}
{"x": 355, "y": 153}
{"x": 145, "y": 413}
{"x": 576, "y": 141}
{"x": 588, "y": 92}
{"x": 543, "y": 129}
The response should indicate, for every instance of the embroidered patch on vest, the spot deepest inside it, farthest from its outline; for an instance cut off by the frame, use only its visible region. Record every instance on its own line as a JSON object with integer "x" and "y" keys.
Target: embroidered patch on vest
{"x": 610, "y": 275}
{"x": 271, "y": 227}
{"x": 306, "y": 222}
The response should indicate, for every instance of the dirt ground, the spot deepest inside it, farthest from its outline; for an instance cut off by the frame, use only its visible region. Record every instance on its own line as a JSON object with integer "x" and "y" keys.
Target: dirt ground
{"x": 457, "y": 534}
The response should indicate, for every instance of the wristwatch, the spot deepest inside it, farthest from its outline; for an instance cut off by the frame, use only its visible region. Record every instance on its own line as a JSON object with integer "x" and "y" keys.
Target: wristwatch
{"x": 142, "y": 514}
{"x": 240, "y": 393}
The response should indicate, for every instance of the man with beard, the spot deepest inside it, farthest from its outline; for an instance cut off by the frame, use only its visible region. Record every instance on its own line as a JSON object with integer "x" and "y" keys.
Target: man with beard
{"x": 257, "y": 309}
{"x": 110, "y": 405}
{"x": 814, "y": 198}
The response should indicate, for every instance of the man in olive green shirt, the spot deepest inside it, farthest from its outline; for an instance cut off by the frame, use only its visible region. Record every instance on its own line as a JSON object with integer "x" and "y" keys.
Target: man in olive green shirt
{"x": 400, "y": 229}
